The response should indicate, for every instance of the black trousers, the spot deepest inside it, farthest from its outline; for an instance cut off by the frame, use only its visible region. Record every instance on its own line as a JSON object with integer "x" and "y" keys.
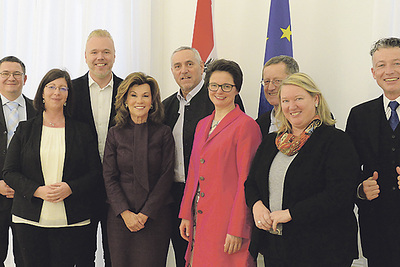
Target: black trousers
{"x": 179, "y": 244}
{"x": 275, "y": 256}
{"x": 5, "y": 225}
{"x": 52, "y": 247}
{"x": 100, "y": 220}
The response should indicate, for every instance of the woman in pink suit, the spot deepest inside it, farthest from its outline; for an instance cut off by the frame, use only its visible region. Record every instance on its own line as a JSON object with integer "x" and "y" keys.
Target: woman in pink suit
{"x": 215, "y": 219}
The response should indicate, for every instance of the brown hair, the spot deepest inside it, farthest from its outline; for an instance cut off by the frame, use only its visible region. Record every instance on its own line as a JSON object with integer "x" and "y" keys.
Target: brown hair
{"x": 156, "y": 114}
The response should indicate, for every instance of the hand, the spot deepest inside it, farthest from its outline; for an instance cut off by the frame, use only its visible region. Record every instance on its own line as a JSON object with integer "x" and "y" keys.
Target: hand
{"x": 232, "y": 244}
{"x": 5, "y": 190}
{"x": 371, "y": 187}
{"x": 184, "y": 228}
{"x": 261, "y": 216}
{"x": 53, "y": 193}
{"x": 60, "y": 191}
{"x": 132, "y": 221}
{"x": 280, "y": 216}
{"x": 142, "y": 218}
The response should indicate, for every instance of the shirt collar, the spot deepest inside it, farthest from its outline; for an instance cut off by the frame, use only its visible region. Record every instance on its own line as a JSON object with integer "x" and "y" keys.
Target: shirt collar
{"x": 191, "y": 94}
{"x": 387, "y": 100}
{"x": 20, "y": 100}
{"x": 91, "y": 82}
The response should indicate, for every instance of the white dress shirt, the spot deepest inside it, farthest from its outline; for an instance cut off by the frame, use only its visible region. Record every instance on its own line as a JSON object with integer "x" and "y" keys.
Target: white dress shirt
{"x": 101, "y": 100}
{"x": 177, "y": 132}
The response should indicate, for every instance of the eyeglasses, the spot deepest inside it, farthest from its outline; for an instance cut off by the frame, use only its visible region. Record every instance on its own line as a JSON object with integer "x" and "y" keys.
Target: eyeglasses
{"x": 53, "y": 88}
{"x": 266, "y": 83}
{"x": 226, "y": 87}
{"x": 16, "y": 75}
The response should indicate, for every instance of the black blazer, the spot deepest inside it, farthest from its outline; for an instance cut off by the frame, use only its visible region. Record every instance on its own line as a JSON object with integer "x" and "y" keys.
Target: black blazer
{"x": 82, "y": 110}
{"x": 364, "y": 126}
{"x": 23, "y": 171}
{"x": 5, "y": 203}
{"x": 264, "y": 121}
{"x": 318, "y": 191}
{"x": 200, "y": 107}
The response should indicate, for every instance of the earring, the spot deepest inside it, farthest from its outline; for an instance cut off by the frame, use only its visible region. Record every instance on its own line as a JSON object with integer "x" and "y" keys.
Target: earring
{"x": 151, "y": 107}
{"x": 43, "y": 100}
{"x": 126, "y": 105}
{"x": 316, "y": 105}
{"x": 65, "y": 104}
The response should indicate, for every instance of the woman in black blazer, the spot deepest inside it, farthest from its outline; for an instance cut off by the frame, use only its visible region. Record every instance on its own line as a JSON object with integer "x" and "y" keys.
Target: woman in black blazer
{"x": 52, "y": 164}
{"x": 301, "y": 183}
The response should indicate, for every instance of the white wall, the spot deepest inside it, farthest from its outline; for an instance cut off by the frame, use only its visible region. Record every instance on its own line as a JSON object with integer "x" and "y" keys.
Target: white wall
{"x": 331, "y": 42}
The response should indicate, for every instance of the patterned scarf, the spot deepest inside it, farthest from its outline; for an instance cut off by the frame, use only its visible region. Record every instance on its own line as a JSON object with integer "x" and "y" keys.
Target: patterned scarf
{"x": 289, "y": 144}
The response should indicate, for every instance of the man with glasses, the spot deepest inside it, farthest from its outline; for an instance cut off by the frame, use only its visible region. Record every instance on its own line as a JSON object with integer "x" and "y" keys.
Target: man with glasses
{"x": 183, "y": 110}
{"x": 275, "y": 70}
{"x": 94, "y": 105}
{"x": 16, "y": 108}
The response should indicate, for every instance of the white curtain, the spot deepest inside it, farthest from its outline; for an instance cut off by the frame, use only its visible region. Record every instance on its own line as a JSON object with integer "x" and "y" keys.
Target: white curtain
{"x": 47, "y": 34}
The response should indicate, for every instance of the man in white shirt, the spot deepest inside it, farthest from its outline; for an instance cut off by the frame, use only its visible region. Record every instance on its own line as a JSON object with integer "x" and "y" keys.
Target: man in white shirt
{"x": 274, "y": 72}
{"x": 94, "y": 105}
{"x": 373, "y": 127}
{"x": 12, "y": 79}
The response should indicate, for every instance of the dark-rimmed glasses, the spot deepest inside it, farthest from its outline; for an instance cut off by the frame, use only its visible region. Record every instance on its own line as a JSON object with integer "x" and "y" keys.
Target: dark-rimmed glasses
{"x": 226, "y": 87}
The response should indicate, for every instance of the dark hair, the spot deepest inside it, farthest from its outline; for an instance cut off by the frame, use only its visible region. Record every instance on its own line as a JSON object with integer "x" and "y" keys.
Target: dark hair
{"x": 50, "y": 76}
{"x": 229, "y": 66}
{"x": 385, "y": 43}
{"x": 14, "y": 59}
{"x": 156, "y": 114}
{"x": 291, "y": 64}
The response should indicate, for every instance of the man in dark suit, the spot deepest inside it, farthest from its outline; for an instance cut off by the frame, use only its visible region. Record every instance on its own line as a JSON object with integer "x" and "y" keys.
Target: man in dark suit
{"x": 94, "y": 105}
{"x": 274, "y": 71}
{"x": 373, "y": 128}
{"x": 183, "y": 110}
{"x": 12, "y": 79}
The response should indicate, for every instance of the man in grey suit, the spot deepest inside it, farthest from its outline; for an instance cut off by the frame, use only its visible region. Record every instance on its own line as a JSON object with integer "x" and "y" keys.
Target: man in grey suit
{"x": 12, "y": 79}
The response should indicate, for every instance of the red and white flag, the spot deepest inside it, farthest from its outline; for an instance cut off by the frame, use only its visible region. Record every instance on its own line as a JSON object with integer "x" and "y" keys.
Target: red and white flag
{"x": 203, "y": 33}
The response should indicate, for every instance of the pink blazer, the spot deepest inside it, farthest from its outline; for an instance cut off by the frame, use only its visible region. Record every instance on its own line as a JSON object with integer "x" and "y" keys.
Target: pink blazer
{"x": 220, "y": 164}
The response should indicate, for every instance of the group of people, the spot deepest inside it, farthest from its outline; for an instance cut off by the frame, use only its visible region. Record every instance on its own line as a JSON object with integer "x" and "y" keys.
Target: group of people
{"x": 195, "y": 168}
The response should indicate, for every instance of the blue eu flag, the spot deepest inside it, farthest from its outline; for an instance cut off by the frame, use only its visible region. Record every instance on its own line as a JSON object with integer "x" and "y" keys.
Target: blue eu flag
{"x": 279, "y": 41}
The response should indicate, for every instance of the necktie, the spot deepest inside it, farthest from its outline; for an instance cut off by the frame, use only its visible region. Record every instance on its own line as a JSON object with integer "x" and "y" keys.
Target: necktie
{"x": 13, "y": 120}
{"x": 394, "y": 118}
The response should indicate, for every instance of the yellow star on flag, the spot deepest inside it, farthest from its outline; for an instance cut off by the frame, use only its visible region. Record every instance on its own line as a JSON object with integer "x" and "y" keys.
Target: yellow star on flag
{"x": 286, "y": 33}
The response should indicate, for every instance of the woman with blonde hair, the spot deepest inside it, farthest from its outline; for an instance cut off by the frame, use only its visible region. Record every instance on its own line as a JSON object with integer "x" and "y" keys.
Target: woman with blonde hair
{"x": 138, "y": 171}
{"x": 301, "y": 183}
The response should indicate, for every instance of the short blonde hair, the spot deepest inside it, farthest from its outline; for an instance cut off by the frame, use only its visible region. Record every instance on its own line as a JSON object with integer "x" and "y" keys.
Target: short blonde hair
{"x": 305, "y": 82}
{"x": 100, "y": 33}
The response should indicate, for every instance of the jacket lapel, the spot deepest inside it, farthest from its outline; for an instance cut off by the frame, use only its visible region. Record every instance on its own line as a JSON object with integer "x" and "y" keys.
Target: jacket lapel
{"x": 227, "y": 120}
{"x": 374, "y": 115}
{"x": 2, "y": 119}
